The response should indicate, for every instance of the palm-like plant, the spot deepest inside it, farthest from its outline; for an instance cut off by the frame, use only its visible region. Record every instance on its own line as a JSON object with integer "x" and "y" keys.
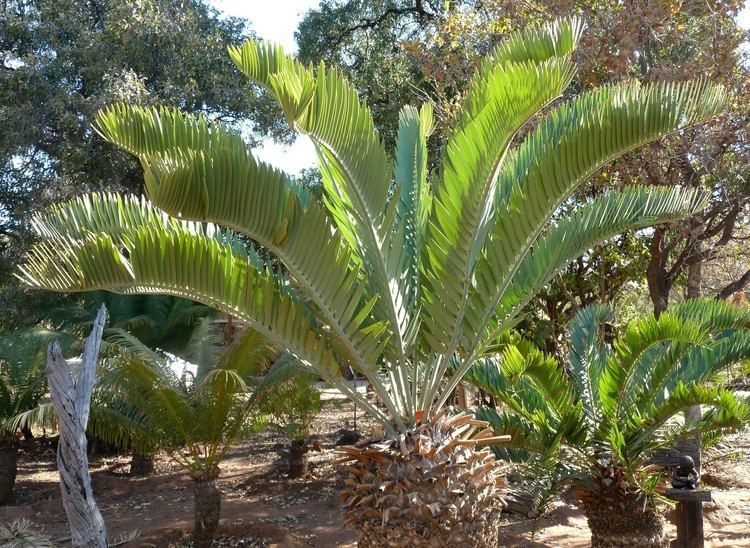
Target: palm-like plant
{"x": 289, "y": 402}
{"x": 23, "y": 383}
{"x": 194, "y": 422}
{"x": 598, "y": 424}
{"x": 140, "y": 327}
{"x": 395, "y": 271}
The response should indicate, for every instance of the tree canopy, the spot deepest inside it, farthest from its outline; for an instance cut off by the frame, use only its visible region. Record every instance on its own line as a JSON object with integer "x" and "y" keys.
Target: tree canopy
{"x": 62, "y": 61}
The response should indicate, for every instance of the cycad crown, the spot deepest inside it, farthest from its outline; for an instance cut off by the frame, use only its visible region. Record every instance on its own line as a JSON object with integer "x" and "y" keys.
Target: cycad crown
{"x": 618, "y": 403}
{"x": 395, "y": 271}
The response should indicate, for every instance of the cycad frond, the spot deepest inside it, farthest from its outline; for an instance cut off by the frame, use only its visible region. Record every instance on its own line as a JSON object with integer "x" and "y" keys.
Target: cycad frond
{"x": 591, "y": 224}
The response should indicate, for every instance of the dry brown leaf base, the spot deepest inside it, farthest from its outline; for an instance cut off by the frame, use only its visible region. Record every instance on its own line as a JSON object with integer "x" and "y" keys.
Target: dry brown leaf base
{"x": 428, "y": 488}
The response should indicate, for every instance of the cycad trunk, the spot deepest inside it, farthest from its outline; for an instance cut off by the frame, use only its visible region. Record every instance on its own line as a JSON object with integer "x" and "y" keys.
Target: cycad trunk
{"x": 617, "y": 520}
{"x": 428, "y": 489}
{"x": 141, "y": 465}
{"x": 207, "y": 508}
{"x": 8, "y": 467}
{"x": 298, "y": 458}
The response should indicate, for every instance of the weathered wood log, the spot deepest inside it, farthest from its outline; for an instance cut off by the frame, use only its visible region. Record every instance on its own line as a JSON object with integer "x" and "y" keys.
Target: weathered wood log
{"x": 72, "y": 403}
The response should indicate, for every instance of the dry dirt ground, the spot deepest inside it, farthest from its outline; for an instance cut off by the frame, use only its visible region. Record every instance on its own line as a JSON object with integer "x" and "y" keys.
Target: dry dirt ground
{"x": 263, "y": 508}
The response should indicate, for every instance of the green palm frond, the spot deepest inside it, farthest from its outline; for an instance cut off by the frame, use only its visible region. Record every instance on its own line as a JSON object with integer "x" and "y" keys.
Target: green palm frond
{"x": 589, "y": 225}
{"x": 634, "y": 355}
{"x": 569, "y": 145}
{"x": 204, "y": 347}
{"x": 256, "y": 200}
{"x": 463, "y": 212}
{"x": 414, "y": 204}
{"x": 702, "y": 364}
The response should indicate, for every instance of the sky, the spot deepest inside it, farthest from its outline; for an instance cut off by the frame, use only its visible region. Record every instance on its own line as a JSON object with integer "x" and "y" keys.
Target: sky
{"x": 276, "y": 20}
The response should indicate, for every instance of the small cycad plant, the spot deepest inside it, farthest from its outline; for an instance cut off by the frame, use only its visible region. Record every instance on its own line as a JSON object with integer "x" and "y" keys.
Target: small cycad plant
{"x": 289, "y": 402}
{"x": 596, "y": 421}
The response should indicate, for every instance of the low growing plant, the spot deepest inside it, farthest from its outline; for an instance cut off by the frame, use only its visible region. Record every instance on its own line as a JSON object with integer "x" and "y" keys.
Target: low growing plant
{"x": 595, "y": 422}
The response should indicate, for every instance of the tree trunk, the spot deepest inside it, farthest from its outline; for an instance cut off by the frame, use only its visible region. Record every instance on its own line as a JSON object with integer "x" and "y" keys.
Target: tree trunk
{"x": 298, "y": 458}
{"x": 617, "y": 520}
{"x": 71, "y": 403}
{"x": 8, "y": 467}
{"x": 691, "y": 445}
{"x": 694, "y": 280}
{"x": 656, "y": 277}
{"x": 141, "y": 465}
{"x": 207, "y": 508}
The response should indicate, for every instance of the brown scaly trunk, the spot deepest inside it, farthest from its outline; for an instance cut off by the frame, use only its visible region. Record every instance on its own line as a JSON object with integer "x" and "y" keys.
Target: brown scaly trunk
{"x": 141, "y": 465}
{"x": 617, "y": 520}
{"x": 207, "y": 507}
{"x": 8, "y": 467}
{"x": 298, "y": 458}
{"x": 429, "y": 488}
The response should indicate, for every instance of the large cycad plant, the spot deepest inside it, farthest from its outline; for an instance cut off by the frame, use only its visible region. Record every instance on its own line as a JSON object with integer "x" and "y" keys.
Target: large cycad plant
{"x": 396, "y": 271}
{"x": 597, "y": 425}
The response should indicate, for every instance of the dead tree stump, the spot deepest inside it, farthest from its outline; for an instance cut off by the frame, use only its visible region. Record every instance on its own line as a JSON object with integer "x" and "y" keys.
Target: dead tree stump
{"x": 72, "y": 403}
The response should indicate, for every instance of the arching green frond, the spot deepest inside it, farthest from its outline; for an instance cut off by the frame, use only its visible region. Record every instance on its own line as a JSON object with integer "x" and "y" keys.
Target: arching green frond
{"x": 99, "y": 212}
{"x": 145, "y": 131}
{"x": 712, "y": 314}
{"x": 554, "y": 39}
{"x": 262, "y": 203}
{"x": 509, "y": 95}
{"x": 587, "y": 357}
{"x": 635, "y": 351}
{"x": 204, "y": 347}
{"x": 723, "y": 412}
{"x": 703, "y": 363}
{"x": 117, "y": 340}
{"x": 414, "y": 202}
{"x": 569, "y": 145}
{"x": 524, "y": 434}
{"x": 545, "y": 373}
{"x": 239, "y": 199}
{"x": 121, "y": 425}
{"x": 260, "y": 60}
{"x": 181, "y": 263}
{"x": 356, "y": 173}
{"x": 487, "y": 375}
{"x": 589, "y": 225}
